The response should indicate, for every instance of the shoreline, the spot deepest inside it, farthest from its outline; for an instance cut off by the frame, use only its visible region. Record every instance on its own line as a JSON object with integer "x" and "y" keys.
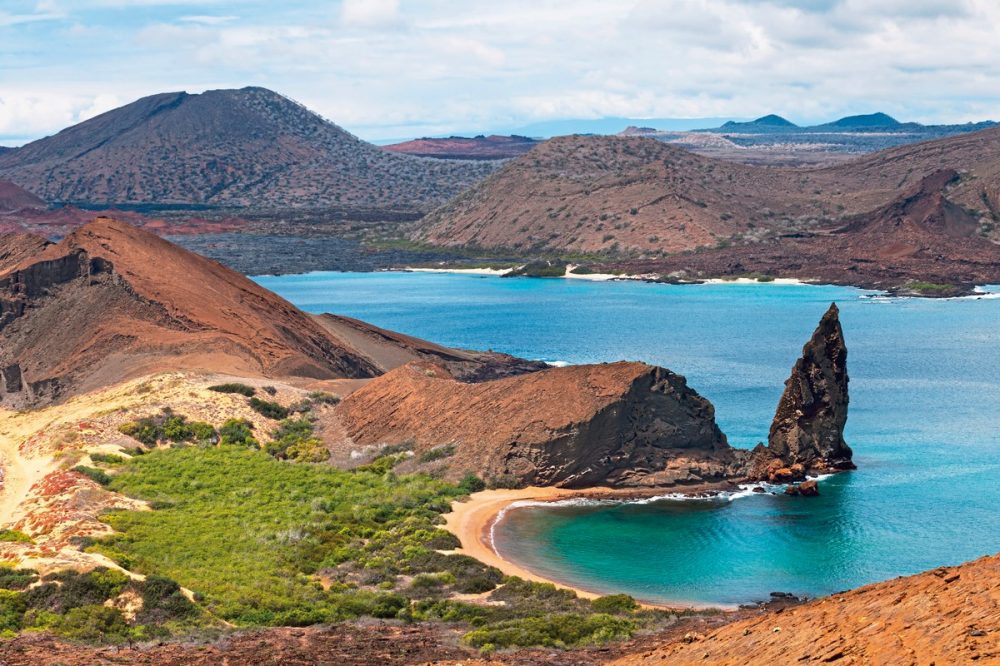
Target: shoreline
{"x": 472, "y": 521}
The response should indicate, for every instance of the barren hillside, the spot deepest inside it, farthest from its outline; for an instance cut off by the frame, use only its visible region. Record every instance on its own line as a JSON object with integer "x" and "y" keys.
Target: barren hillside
{"x": 248, "y": 147}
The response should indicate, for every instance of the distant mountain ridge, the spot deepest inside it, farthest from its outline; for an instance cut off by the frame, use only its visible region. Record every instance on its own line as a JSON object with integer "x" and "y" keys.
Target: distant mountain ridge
{"x": 249, "y": 147}
{"x": 493, "y": 147}
{"x": 859, "y": 123}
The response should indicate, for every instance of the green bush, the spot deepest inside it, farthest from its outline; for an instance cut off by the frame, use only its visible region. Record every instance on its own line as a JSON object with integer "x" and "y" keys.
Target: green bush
{"x": 471, "y": 483}
{"x": 15, "y": 536}
{"x": 294, "y": 440}
{"x": 615, "y": 604}
{"x": 271, "y": 410}
{"x": 107, "y": 458}
{"x": 16, "y": 579}
{"x": 94, "y": 474}
{"x": 561, "y": 631}
{"x": 168, "y": 426}
{"x": 233, "y": 387}
{"x": 12, "y": 608}
{"x": 238, "y": 432}
{"x": 437, "y": 453}
{"x": 93, "y": 624}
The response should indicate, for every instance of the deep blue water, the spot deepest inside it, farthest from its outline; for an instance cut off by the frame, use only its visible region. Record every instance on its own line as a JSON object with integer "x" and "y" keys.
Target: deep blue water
{"x": 924, "y": 423}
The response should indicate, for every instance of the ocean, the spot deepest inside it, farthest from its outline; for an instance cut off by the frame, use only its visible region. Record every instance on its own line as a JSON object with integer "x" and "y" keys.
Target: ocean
{"x": 924, "y": 423}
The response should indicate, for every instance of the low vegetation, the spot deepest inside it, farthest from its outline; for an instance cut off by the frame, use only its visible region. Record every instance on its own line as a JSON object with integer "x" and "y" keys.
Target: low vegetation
{"x": 234, "y": 387}
{"x": 262, "y": 541}
{"x": 92, "y": 606}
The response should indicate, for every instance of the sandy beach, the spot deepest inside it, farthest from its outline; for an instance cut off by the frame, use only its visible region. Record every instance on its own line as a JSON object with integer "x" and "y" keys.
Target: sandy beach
{"x": 472, "y": 520}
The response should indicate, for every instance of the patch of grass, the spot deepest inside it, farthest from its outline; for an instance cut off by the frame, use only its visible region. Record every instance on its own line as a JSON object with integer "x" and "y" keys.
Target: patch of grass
{"x": 234, "y": 387}
{"x": 921, "y": 287}
{"x": 559, "y": 631}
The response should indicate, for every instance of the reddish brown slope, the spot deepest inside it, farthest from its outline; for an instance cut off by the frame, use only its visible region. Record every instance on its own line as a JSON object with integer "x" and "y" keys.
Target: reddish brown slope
{"x": 947, "y": 616}
{"x": 920, "y": 237}
{"x": 111, "y": 301}
{"x": 642, "y": 197}
{"x": 627, "y": 424}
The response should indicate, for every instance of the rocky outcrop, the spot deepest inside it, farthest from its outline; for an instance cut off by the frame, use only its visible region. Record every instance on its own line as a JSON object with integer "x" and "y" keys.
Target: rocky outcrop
{"x": 619, "y": 424}
{"x": 807, "y": 434}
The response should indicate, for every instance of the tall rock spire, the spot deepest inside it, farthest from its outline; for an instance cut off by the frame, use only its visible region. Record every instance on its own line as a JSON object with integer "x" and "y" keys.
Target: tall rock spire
{"x": 808, "y": 426}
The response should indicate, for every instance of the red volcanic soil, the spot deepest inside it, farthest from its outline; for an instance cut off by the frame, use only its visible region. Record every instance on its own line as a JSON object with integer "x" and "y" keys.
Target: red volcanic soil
{"x": 111, "y": 301}
{"x": 493, "y": 147}
{"x": 950, "y": 615}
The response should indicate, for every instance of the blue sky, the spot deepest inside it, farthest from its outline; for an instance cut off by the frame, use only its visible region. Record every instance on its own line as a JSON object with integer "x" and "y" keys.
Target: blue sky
{"x": 398, "y": 68}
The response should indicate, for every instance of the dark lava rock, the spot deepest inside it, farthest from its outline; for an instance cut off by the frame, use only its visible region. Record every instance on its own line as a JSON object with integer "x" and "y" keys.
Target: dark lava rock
{"x": 808, "y": 426}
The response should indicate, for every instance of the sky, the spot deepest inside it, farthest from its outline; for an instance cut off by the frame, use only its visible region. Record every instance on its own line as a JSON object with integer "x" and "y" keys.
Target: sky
{"x": 401, "y": 68}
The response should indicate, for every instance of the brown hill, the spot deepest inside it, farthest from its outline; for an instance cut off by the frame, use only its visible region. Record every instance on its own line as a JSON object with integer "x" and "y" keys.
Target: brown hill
{"x": 640, "y": 197}
{"x": 14, "y": 198}
{"x": 493, "y": 147}
{"x": 626, "y": 424}
{"x": 614, "y": 424}
{"x": 922, "y": 242}
{"x": 247, "y": 147}
{"x": 111, "y": 301}
{"x": 950, "y": 615}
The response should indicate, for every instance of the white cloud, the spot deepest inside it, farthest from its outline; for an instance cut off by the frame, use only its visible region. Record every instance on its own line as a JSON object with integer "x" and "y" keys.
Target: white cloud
{"x": 460, "y": 65}
{"x": 207, "y": 19}
{"x": 370, "y": 13}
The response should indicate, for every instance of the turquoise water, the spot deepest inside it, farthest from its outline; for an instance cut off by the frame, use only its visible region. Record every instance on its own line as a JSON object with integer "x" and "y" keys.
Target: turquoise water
{"x": 924, "y": 423}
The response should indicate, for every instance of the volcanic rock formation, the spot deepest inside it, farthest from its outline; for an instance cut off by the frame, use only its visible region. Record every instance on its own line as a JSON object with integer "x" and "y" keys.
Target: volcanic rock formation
{"x": 808, "y": 426}
{"x": 621, "y": 424}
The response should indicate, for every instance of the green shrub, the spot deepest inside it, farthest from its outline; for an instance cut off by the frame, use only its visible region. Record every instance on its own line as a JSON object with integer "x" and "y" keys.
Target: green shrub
{"x": 107, "y": 458}
{"x": 94, "y": 474}
{"x": 16, "y": 579}
{"x": 323, "y": 398}
{"x": 12, "y": 608}
{"x": 271, "y": 410}
{"x": 561, "y": 631}
{"x": 15, "y": 536}
{"x": 615, "y": 604}
{"x": 233, "y": 387}
{"x": 168, "y": 427}
{"x": 294, "y": 440}
{"x": 93, "y": 624}
{"x": 437, "y": 453}
{"x": 471, "y": 483}
{"x": 238, "y": 432}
